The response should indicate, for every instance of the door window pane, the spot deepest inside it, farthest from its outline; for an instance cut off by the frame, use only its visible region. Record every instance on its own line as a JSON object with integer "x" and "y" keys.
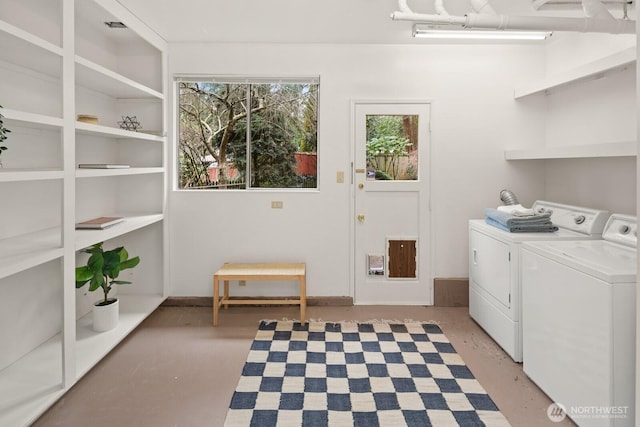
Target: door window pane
{"x": 392, "y": 147}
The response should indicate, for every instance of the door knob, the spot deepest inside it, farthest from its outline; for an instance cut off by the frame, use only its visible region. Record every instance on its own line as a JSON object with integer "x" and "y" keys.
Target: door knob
{"x": 361, "y": 186}
{"x": 361, "y": 218}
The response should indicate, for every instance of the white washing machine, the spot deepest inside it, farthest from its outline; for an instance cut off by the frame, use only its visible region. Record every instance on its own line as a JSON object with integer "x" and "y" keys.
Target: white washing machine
{"x": 579, "y": 317}
{"x": 494, "y": 268}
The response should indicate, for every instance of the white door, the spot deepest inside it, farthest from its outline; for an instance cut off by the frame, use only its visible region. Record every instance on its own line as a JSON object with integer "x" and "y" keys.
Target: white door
{"x": 392, "y": 251}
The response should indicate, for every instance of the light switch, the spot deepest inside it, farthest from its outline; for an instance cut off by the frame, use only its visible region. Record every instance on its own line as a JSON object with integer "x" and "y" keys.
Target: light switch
{"x": 340, "y": 177}
{"x": 276, "y": 204}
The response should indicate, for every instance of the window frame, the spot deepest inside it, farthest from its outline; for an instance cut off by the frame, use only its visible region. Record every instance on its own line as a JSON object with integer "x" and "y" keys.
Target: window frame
{"x": 247, "y": 80}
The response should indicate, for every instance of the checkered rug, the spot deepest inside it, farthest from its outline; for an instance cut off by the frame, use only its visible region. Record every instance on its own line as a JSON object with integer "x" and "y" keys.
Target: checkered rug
{"x": 357, "y": 374}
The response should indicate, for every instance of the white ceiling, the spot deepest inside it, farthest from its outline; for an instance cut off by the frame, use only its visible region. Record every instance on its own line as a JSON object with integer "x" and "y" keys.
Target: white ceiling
{"x": 303, "y": 21}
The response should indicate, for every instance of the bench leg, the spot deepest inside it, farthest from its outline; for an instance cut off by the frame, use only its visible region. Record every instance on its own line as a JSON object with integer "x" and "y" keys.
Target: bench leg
{"x": 303, "y": 300}
{"x": 226, "y": 293}
{"x": 216, "y": 298}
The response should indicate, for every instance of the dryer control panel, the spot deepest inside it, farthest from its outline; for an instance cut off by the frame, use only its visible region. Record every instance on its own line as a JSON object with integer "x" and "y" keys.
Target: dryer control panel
{"x": 575, "y": 218}
{"x": 622, "y": 229}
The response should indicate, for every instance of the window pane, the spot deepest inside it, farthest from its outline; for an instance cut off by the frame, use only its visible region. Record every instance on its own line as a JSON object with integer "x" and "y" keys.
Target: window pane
{"x": 283, "y": 136}
{"x": 214, "y": 137}
{"x": 392, "y": 147}
{"x": 213, "y": 120}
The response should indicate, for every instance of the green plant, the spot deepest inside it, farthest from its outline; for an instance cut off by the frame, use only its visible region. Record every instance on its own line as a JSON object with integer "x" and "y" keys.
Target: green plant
{"x": 383, "y": 154}
{"x": 3, "y": 133}
{"x": 103, "y": 268}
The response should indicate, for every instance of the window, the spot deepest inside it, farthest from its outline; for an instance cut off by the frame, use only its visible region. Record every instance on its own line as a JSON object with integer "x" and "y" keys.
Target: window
{"x": 221, "y": 120}
{"x": 392, "y": 147}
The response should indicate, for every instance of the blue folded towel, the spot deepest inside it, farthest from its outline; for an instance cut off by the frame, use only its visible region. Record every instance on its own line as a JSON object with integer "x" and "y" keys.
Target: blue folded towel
{"x": 509, "y": 220}
{"x": 524, "y": 228}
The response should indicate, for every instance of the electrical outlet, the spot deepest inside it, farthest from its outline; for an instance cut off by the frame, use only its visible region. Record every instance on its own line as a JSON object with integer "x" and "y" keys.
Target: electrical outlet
{"x": 276, "y": 204}
{"x": 242, "y": 283}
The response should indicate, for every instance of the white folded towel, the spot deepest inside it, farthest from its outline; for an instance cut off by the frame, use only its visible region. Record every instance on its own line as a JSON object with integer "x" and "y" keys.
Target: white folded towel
{"x": 516, "y": 210}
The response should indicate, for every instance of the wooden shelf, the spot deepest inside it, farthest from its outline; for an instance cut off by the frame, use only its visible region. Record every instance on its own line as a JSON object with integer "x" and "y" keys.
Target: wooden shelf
{"x": 18, "y": 175}
{"x": 614, "y": 149}
{"x": 25, "y": 251}
{"x": 111, "y": 132}
{"x": 30, "y": 385}
{"x": 593, "y": 69}
{"x": 29, "y": 51}
{"x": 101, "y": 79}
{"x": 86, "y": 238}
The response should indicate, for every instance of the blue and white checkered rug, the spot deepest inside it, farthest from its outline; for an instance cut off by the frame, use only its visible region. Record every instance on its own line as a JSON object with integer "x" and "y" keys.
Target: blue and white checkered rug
{"x": 357, "y": 374}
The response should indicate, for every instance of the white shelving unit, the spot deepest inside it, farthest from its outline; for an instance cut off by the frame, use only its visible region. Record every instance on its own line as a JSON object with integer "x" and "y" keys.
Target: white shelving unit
{"x": 21, "y": 175}
{"x": 612, "y": 149}
{"x": 110, "y": 132}
{"x": 35, "y": 379}
{"x": 87, "y": 173}
{"x": 595, "y": 69}
{"x": 58, "y": 59}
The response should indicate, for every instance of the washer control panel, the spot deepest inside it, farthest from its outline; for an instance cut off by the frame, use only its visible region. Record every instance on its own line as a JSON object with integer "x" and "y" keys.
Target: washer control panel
{"x": 575, "y": 218}
{"x": 622, "y": 229}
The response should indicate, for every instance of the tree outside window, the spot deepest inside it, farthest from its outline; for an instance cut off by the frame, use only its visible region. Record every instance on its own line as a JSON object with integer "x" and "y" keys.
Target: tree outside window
{"x": 220, "y": 122}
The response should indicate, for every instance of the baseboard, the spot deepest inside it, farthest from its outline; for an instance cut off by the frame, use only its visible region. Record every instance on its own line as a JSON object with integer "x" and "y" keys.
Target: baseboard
{"x": 451, "y": 292}
{"x": 208, "y": 301}
{"x": 448, "y": 292}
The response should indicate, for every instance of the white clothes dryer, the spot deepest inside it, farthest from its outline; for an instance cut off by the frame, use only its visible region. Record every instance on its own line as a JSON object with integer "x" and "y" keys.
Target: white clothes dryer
{"x": 579, "y": 318}
{"x": 494, "y": 268}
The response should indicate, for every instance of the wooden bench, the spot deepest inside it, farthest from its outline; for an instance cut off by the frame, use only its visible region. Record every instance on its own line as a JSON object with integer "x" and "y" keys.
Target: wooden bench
{"x": 254, "y": 272}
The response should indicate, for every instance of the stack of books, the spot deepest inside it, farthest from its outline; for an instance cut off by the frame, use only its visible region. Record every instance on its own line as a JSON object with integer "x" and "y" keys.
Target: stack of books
{"x": 99, "y": 223}
{"x": 101, "y": 166}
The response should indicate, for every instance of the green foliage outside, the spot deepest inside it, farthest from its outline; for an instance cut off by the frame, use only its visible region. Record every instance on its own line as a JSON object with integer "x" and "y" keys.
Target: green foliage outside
{"x": 387, "y": 142}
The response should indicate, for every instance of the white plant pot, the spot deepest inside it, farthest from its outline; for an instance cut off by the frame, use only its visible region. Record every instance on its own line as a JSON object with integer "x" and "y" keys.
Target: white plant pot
{"x": 105, "y": 317}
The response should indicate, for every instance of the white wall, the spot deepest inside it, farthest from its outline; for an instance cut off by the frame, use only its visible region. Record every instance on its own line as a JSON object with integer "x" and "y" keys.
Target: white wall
{"x": 474, "y": 117}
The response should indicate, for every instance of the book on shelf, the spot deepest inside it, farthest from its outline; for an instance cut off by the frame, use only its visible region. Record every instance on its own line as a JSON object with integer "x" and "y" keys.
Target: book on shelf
{"x": 101, "y": 166}
{"x": 99, "y": 223}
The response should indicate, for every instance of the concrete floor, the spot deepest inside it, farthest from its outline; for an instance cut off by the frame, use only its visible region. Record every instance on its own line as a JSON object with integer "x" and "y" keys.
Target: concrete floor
{"x": 176, "y": 369}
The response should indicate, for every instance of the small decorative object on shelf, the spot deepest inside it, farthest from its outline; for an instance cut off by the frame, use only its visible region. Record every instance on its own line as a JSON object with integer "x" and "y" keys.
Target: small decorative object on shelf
{"x": 129, "y": 123}
{"x": 3, "y": 136}
{"x": 86, "y": 118}
{"x": 102, "y": 270}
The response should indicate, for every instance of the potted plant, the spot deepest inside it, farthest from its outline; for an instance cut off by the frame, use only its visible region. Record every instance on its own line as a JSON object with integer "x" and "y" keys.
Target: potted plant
{"x": 102, "y": 270}
{"x": 3, "y": 136}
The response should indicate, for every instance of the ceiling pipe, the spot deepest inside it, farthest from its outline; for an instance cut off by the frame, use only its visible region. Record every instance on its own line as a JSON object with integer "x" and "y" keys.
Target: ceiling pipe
{"x": 440, "y": 9}
{"x": 482, "y": 6}
{"x": 595, "y": 9}
{"x": 537, "y": 4}
{"x": 527, "y": 23}
{"x": 533, "y": 23}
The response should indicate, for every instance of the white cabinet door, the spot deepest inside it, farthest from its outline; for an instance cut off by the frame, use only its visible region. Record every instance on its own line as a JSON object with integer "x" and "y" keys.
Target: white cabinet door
{"x": 490, "y": 266}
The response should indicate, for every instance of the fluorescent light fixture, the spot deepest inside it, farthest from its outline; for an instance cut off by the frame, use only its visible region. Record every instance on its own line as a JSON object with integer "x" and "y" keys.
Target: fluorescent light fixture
{"x": 433, "y": 33}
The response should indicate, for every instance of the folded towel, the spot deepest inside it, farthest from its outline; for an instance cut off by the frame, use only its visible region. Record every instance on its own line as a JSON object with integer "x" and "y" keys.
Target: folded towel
{"x": 526, "y": 228}
{"x": 517, "y": 210}
{"x": 509, "y": 220}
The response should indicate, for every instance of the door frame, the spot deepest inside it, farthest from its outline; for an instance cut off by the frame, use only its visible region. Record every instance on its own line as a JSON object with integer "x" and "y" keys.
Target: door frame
{"x": 427, "y": 235}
